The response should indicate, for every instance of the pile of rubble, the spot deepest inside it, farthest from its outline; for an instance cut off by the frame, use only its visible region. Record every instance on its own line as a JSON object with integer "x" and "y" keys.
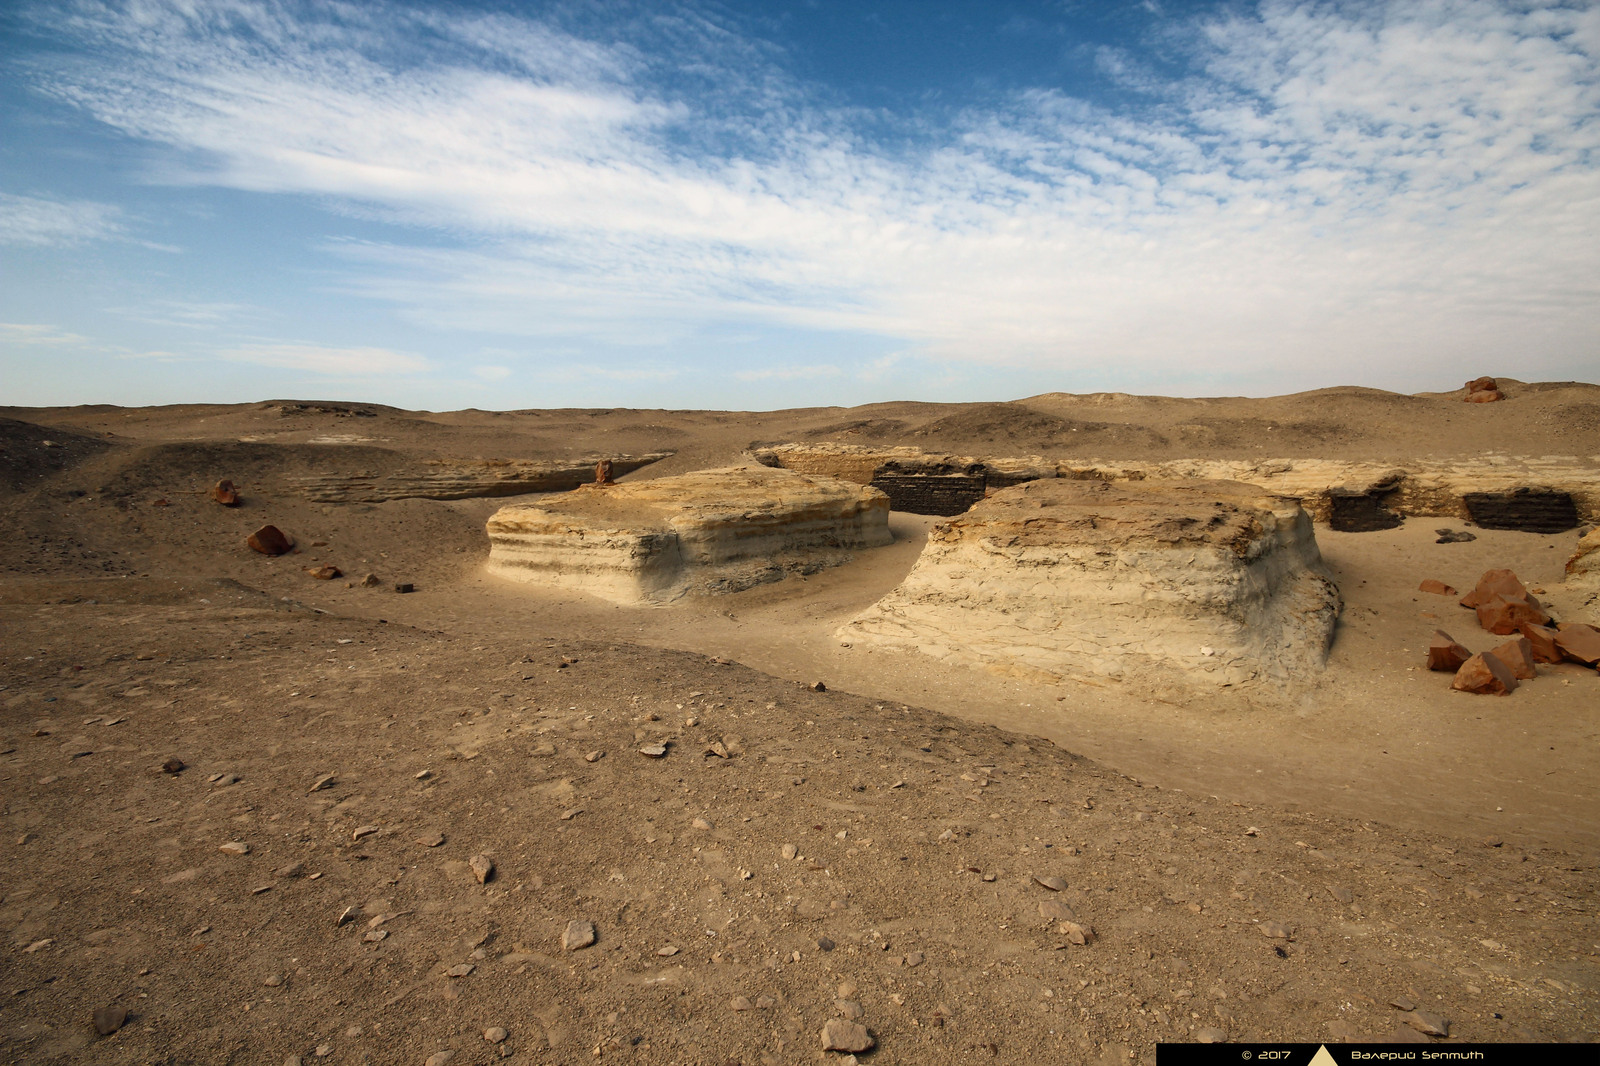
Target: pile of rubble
{"x": 1505, "y": 607}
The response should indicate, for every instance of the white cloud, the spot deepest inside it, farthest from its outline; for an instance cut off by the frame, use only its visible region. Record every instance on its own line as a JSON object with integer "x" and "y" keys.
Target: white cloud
{"x": 492, "y": 373}
{"x": 31, "y": 334}
{"x": 1361, "y": 181}
{"x": 31, "y": 220}
{"x": 790, "y": 373}
{"x": 324, "y": 360}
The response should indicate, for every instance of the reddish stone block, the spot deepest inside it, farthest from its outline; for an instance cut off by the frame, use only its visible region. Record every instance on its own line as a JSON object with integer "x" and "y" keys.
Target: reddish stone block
{"x": 224, "y": 493}
{"x": 1517, "y": 654}
{"x": 1444, "y": 653}
{"x": 1543, "y": 640}
{"x": 1438, "y": 588}
{"x": 270, "y": 540}
{"x": 1485, "y": 675}
{"x": 1579, "y": 642}
{"x": 1503, "y": 617}
{"x": 1495, "y": 583}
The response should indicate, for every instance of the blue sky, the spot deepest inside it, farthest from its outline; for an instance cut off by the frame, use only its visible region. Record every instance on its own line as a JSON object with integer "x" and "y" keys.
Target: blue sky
{"x": 757, "y": 205}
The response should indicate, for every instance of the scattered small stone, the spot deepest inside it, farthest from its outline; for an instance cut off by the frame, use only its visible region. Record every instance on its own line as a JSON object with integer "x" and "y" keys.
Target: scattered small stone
{"x": 848, "y": 1008}
{"x": 577, "y": 935}
{"x": 1076, "y": 933}
{"x": 1054, "y": 910}
{"x": 275, "y": 981}
{"x": 346, "y": 915}
{"x": 173, "y": 766}
{"x": 294, "y": 1060}
{"x": 1050, "y": 881}
{"x": 482, "y": 868}
{"x": 1454, "y": 536}
{"x": 594, "y": 756}
{"x": 1444, "y": 653}
{"x": 700, "y": 823}
{"x": 108, "y": 1020}
{"x": 741, "y": 1003}
{"x": 431, "y": 840}
{"x": 38, "y": 945}
{"x": 260, "y": 889}
{"x": 323, "y": 1051}
{"x": 1209, "y": 1035}
{"x": 668, "y": 951}
{"x": 841, "y": 1034}
{"x": 1276, "y": 931}
{"x": 422, "y": 775}
{"x": 234, "y": 847}
{"x": 818, "y": 686}
{"x": 1484, "y": 674}
{"x": 915, "y": 958}
{"x": 324, "y": 573}
{"x": 325, "y": 781}
{"x": 1342, "y": 894}
{"x": 825, "y": 944}
{"x": 364, "y": 831}
{"x": 439, "y": 1058}
{"x": 371, "y": 581}
{"x": 653, "y": 751}
{"x": 1403, "y": 1003}
{"x": 372, "y": 936}
{"x": 495, "y": 1035}
{"x": 1438, "y": 588}
{"x": 790, "y": 851}
{"x": 569, "y": 815}
{"x": 461, "y": 969}
{"x": 225, "y": 493}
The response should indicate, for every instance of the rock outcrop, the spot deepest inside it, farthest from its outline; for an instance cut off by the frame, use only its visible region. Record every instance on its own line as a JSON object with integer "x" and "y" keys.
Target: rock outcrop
{"x": 1056, "y": 579}
{"x": 710, "y": 531}
{"x": 1535, "y": 494}
{"x": 463, "y": 479}
{"x": 1583, "y": 568}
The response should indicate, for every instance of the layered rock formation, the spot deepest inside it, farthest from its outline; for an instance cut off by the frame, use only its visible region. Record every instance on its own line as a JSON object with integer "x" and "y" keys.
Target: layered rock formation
{"x": 462, "y": 479}
{"x": 1541, "y": 495}
{"x": 1583, "y": 568}
{"x": 706, "y": 532}
{"x": 1215, "y": 581}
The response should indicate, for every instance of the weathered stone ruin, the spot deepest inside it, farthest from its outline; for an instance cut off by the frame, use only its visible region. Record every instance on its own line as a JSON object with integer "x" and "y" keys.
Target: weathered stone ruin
{"x": 1536, "y": 495}
{"x": 711, "y": 531}
{"x": 1054, "y": 579}
{"x": 1482, "y": 390}
{"x": 464, "y": 479}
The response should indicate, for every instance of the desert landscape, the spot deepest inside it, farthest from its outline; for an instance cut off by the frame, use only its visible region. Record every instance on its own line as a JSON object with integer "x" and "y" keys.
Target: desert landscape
{"x": 1046, "y": 730}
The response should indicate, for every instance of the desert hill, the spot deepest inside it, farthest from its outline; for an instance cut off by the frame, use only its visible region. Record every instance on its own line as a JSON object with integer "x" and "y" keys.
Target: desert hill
{"x": 970, "y": 865}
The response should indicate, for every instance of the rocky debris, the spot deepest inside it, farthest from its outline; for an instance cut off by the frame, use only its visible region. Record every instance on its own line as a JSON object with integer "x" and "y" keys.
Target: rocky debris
{"x": 234, "y": 847}
{"x": 1275, "y": 931}
{"x": 1517, "y": 654}
{"x": 460, "y": 969}
{"x": 604, "y": 472}
{"x": 1484, "y": 396}
{"x": 1484, "y": 674}
{"x": 1209, "y": 1035}
{"x": 1542, "y": 640}
{"x": 325, "y": 781}
{"x": 464, "y": 479}
{"x": 817, "y": 686}
{"x": 1447, "y": 535}
{"x": 440, "y": 1058}
{"x": 1076, "y": 933}
{"x": 1579, "y": 642}
{"x": 1444, "y": 653}
{"x": 224, "y": 493}
{"x": 173, "y": 766}
{"x": 270, "y": 540}
{"x": 371, "y": 581}
{"x": 842, "y": 1034}
{"x": 349, "y": 914}
{"x": 1212, "y": 582}
{"x": 1426, "y": 1023}
{"x": 326, "y": 572}
{"x": 653, "y": 751}
{"x": 495, "y": 1035}
{"x": 1438, "y": 588}
{"x": 108, "y": 1020}
{"x": 294, "y": 869}
{"x": 711, "y": 531}
{"x": 482, "y": 868}
{"x": 1503, "y": 617}
{"x": 1050, "y": 881}
{"x": 578, "y": 935}
{"x": 431, "y": 839}
{"x": 1502, "y": 583}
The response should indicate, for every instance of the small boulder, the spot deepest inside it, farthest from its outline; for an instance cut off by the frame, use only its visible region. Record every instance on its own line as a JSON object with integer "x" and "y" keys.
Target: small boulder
{"x": 225, "y": 493}
{"x": 1438, "y": 588}
{"x": 1444, "y": 653}
{"x": 1484, "y": 674}
{"x": 270, "y": 540}
{"x": 324, "y": 573}
{"x": 577, "y": 935}
{"x": 1485, "y": 396}
{"x": 108, "y": 1020}
{"x": 1502, "y": 583}
{"x": 1543, "y": 641}
{"x": 1517, "y": 654}
{"x": 841, "y": 1034}
{"x": 1503, "y": 617}
{"x": 1579, "y": 642}
{"x": 1481, "y": 384}
{"x": 482, "y": 868}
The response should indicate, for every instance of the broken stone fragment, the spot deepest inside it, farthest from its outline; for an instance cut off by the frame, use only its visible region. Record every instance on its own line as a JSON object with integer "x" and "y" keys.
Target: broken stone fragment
{"x": 1579, "y": 642}
{"x": 1050, "y": 881}
{"x": 1484, "y": 674}
{"x": 1543, "y": 641}
{"x": 108, "y": 1020}
{"x": 482, "y": 868}
{"x": 234, "y": 847}
{"x": 1424, "y": 1022}
{"x": 225, "y": 493}
{"x": 1503, "y": 616}
{"x": 577, "y": 935}
{"x": 371, "y": 581}
{"x": 1444, "y": 653}
{"x": 1077, "y": 933}
{"x": 1483, "y": 383}
{"x": 270, "y": 540}
{"x": 324, "y": 573}
{"x": 1517, "y": 654}
{"x": 1495, "y": 583}
{"x": 841, "y": 1034}
{"x": 1438, "y": 588}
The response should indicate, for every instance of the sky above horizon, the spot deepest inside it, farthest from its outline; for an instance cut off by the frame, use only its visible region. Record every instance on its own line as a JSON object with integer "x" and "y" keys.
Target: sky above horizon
{"x": 745, "y": 205}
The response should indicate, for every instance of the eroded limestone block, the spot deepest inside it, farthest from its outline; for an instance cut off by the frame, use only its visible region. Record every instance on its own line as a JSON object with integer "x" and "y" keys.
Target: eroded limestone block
{"x": 707, "y": 532}
{"x": 1059, "y": 579}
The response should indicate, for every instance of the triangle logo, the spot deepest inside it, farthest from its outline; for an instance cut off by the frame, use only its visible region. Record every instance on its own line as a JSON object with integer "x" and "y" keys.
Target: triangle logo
{"x": 1323, "y": 1058}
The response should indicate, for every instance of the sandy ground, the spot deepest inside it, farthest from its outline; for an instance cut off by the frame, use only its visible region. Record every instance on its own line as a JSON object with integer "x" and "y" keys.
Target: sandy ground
{"x": 1417, "y": 846}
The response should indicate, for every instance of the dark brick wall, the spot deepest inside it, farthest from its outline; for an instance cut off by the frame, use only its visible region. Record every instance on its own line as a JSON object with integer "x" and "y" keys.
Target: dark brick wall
{"x": 939, "y": 494}
{"x": 1525, "y": 510}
